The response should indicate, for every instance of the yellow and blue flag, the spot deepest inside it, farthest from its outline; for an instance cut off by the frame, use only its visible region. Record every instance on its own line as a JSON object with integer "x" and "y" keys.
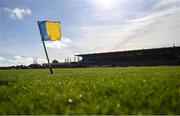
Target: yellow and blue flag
{"x": 50, "y": 30}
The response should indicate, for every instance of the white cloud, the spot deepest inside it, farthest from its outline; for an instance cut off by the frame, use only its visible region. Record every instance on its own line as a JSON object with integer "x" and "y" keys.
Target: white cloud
{"x": 55, "y": 44}
{"x": 2, "y": 59}
{"x": 19, "y": 60}
{"x": 157, "y": 28}
{"x": 152, "y": 17}
{"x": 18, "y": 13}
{"x": 167, "y": 3}
{"x": 65, "y": 40}
{"x": 41, "y": 60}
{"x": 91, "y": 48}
{"x": 4, "y": 62}
{"x": 58, "y": 44}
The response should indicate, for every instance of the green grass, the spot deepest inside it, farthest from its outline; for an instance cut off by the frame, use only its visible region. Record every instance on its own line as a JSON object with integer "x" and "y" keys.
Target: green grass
{"x": 127, "y": 90}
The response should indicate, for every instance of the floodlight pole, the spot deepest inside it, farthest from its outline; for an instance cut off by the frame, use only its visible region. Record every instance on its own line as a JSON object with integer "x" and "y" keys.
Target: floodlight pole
{"x": 49, "y": 64}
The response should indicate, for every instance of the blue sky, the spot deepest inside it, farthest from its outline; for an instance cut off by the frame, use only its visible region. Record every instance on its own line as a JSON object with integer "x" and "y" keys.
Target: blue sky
{"x": 88, "y": 26}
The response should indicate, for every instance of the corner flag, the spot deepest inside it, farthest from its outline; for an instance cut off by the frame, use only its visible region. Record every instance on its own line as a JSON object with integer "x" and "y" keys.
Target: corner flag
{"x": 49, "y": 31}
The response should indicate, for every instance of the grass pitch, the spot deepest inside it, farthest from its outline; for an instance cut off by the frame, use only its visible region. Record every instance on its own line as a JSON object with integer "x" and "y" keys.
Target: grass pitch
{"x": 127, "y": 90}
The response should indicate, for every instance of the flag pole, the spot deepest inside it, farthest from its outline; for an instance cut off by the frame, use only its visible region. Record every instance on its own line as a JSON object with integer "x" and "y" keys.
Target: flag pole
{"x": 49, "y": 64}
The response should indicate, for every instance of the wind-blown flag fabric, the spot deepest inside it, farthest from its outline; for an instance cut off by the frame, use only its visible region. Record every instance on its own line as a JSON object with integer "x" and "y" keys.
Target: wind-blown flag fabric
{"x": 49, "y": 30}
